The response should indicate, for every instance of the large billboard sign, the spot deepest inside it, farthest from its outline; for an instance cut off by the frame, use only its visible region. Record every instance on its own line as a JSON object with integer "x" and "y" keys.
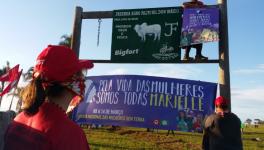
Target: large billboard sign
{"x": 146, "y": 101}
{"x": 146, "y": 35}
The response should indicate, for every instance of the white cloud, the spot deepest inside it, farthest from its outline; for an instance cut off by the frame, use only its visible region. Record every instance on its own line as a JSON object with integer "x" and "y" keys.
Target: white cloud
{"x": 161, "y": 70}
{"x": 173, "y": 71}
{"x": 248, "y": 103}
{"x": 256, "y": 70}
{"x": 261, "y": 66}
{"x": 117, "y": 71}
{"x": 248, "y": 112}
{"x": 254, "y": 94}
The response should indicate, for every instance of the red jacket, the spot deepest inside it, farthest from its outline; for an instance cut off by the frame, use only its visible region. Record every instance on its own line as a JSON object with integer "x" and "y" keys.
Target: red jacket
{"x": 48, "y": 129}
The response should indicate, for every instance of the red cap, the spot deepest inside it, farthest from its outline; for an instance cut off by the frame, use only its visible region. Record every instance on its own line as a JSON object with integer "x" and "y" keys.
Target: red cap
{"x": 221, "y": 101}
{"x": 59, "y": 63}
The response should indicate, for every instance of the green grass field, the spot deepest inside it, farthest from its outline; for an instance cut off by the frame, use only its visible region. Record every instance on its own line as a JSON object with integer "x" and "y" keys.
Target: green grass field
{"x": 128, "y": 138}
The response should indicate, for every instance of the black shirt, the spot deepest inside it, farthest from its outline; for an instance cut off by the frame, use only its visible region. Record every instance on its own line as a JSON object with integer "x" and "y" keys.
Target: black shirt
{"x": 222, "y": 132}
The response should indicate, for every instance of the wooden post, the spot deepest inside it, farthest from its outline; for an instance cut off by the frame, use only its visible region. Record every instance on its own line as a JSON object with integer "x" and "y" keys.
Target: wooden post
{"x": 76, "y": 33}
{"x": 224, "y": 72}
{"x": 1, "y": 90}
{"x": 0, "y": 101}
{"x": 10, "y": 106}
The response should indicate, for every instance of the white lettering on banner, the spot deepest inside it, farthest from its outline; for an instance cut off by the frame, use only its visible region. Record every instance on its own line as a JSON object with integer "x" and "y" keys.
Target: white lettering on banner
{"x": 143, "y": 86}
{"x": 116, "y": 112}
{"x": 105, "y": 85}
{"x": 122, "y": 13}
{"x": 122, "y": 52}
{"x": 148, "y": 92}
{"x": 200, "y": 19}
{"x": 123, "y": 26}
{"x": 124, "y": 85}
{"x": 173, "y": 27}
{"x": 134, "y": 98}
{"x": 147, "y": 12}
{"x": 106, "y": 97}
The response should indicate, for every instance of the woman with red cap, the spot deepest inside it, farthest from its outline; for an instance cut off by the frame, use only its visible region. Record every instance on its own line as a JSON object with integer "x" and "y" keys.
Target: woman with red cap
{"x": 222, "y": 129}
{"x": 43, "y": 123}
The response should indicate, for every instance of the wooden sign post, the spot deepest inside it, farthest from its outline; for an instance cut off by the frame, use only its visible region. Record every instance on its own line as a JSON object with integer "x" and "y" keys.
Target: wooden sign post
{"x": 224, "y": 72}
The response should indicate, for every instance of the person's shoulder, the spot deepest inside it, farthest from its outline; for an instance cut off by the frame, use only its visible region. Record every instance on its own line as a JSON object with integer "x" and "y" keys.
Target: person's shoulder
{"x": 20, "y": 117}
{"x": 231, "y": 114}
{"x": 73, "y": 126}
{"x": 213, "y": 115}
{"x": 76, "y": 134}
{"x": 210, "y": 119}
{"x": 72, "y": 135}
{"x": 66, "y": 130}
{"x": 235, "y": 116}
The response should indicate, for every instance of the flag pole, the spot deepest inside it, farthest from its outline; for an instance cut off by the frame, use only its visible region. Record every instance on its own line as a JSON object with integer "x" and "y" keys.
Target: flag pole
{"x": 2, "y": 88}
{"x": 15, "y": 90}
{"x": 12, "y": 99}
{"x": 0, "y": 101}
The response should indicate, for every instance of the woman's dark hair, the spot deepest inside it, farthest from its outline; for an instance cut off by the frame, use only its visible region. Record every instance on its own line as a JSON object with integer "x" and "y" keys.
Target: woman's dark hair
{"x": 33, "y": 95}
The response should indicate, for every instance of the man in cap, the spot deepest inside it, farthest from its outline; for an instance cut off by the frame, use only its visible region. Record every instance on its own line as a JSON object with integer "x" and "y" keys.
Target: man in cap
{"x": 222, "y": 128}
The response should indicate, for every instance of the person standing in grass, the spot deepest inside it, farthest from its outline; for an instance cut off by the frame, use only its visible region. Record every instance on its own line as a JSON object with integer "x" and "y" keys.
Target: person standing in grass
{"x": 43, "y": 123}
{"x": 222, "y": 128}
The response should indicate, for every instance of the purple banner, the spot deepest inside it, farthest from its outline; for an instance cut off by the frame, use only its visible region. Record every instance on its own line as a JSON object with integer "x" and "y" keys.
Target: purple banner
{"x": 146, "y": 101}
{"x": 200, "y": 25}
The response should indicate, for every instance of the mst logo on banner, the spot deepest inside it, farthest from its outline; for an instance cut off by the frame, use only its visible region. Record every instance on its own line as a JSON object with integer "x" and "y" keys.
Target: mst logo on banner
{"x": 146, "y": 101}
{"x": 146, "y": 35}
{"x": 200, "y": 25}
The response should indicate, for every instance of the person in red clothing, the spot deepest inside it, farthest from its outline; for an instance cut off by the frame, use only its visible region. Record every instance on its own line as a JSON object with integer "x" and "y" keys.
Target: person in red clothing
{"x": 43, "y": 123}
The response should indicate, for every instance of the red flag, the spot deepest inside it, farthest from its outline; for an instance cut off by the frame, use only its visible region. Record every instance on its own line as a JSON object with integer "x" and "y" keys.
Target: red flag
{"x": 10, "y": 74}
{"x": 13, "y": 78}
